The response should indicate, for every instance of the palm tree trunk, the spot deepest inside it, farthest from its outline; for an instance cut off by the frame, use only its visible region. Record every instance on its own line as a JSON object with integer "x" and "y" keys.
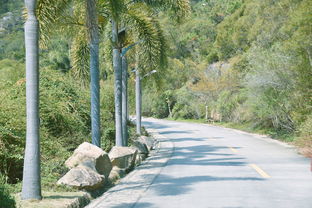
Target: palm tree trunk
{"x": 31, "y": 174}
{"x": 124, "y": 100}
{"x": 94, "y": 71}
{"x": 118, "y": 85}
{"x": 138, "y": 101}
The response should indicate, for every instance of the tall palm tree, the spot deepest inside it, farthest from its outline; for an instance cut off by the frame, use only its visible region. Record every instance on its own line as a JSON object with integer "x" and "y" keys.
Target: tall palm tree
{"x": 138, "y": 101}
{"x": 150, "y": 31}
{"x": 140, "y": 27}
{"x": 124, "y": 80}
{"x": 92, "y": 22}
{"x": 118, "y": 85}
{"x": 79, "y": 19}
{"x": 31, "y": 174}
{"x": 139, "y": 19}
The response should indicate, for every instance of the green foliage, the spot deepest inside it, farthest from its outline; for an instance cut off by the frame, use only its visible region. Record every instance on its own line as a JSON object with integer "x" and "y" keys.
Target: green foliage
{"x": 7, "y": 5}
{"x": 271, "y": 84}
{"x": 107, "y": 115}
{"x": 11, "y": 70}
{"x": 306, "y": 128}
{"x": 64, "y": 116}
{"x": 248, "y": 61}
{"x": 154, "y": 105}
{"x": 6, "y": 200}
{"x": 56, "y": 56}
{"x": 226, "y": 104}
{"x": 64, "y": 122}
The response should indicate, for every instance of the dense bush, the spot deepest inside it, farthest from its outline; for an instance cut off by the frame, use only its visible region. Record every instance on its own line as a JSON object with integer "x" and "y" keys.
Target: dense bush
{"x": 6, "y": 199}
{"x": 248, "y": 61}
{"x": 64, "y": 122}
{"x": 306, "y": 130}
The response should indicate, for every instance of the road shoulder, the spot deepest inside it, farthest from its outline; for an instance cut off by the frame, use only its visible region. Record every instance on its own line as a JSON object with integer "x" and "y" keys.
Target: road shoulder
{"x": 130, "y": 189}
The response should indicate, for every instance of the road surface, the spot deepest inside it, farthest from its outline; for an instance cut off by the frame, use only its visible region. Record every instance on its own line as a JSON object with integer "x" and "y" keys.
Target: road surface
{"x": 208, "y": 166}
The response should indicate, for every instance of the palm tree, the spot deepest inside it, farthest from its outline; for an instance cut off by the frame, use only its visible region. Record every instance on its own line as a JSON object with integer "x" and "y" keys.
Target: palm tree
{"x": 67, "y": 16}
{"x": 92, "y": 19}
{"x": 140, "y": 27}
{"x": 31, "y": 174}
{"x": 118, "y": 85}
{"x": 124, "y": 67}
{"x": 144, "y": 26}
{"x": 138, "y": 101}
{"x": 140, "y": 22}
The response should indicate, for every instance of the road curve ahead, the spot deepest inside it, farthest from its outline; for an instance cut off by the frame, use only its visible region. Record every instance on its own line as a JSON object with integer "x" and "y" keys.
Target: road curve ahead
{"x": 217, "y": 167}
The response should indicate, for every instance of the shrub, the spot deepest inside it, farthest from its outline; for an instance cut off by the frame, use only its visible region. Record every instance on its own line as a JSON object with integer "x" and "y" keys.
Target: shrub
{"x": 306, "y": 130}
{"x": 6, "y": 200}
{"x": 64, "y": 120}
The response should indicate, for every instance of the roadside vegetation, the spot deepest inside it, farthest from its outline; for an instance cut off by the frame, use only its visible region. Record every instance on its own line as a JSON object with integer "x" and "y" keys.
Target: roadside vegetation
{"x": 244, "y": 64}
{"x": 64, "y": 108}
{"x": 248, "y": 61}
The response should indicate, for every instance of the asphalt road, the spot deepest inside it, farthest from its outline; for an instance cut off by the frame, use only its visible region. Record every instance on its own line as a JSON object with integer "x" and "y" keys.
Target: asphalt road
{"x": 211, "y": 166}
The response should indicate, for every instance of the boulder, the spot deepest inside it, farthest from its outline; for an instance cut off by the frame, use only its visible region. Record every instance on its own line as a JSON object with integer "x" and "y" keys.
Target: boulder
{"x": 94, "y": 156}
{"x": 139, "y": 158}
{"x": 82, "y": 177}
{"x": 140, "y": 146}
{"x": 148, "y": 141}
{"x": 142, "y": 151}
{"x": 123, "y": 157}
{"x": 116, "y": 174}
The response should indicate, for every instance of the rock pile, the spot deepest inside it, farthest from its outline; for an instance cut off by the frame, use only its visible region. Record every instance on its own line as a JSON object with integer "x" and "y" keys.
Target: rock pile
{"x": 91, "y": 167}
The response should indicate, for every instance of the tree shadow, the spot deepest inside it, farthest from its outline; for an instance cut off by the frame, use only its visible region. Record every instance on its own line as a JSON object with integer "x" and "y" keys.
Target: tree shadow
{"x": 188, "y": 139}
{"x": 169, "y": 186}
{"x": 61, "y": 197}
{"x": 175, "y": 132}
{"x": 149, "y": 124}
{"x": 131, "y": 205}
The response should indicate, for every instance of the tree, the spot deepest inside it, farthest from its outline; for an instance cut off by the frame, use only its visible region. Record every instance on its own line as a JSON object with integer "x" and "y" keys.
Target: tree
{"x": 54, "y": 16}
{"x": 138, "y": 18}
{"x": 93, "y": 30}
{"x": 118, "y": 85}
{"x": 124, "y": 66}
{"x": 138, "y": 101}
{"x": 31, "y": 174}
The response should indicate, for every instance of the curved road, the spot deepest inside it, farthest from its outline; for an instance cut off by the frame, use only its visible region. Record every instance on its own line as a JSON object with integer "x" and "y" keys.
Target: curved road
{"x": 212, "y": 166}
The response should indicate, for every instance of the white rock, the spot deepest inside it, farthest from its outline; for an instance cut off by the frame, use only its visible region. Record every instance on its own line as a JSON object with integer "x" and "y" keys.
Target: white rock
{"x": 148, "y": 141}
{"x": 82, "y": 177}
{"x": 92, "y": 155}
{"x": 123, "y": 157}
{"x": 140, "y": 146}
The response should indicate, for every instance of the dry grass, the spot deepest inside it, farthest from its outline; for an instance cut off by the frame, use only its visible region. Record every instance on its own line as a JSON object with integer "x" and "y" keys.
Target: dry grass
{"x": 305, "y": 146}
{"x": 53, "y": 200}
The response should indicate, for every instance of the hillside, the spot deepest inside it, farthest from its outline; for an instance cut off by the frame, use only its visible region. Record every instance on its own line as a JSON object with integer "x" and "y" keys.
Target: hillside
{"x": 268, "y": 85}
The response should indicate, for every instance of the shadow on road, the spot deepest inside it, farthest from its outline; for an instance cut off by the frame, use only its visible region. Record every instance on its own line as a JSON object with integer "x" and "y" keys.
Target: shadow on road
{"x": 167, "y": 185}
{"x": 175, "y": 132}
{"x": 148, "y": 124}
{"x": 130, "y": 205}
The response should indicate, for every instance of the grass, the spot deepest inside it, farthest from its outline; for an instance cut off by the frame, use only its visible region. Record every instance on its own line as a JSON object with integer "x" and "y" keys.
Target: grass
{"x": 55, "y": 199}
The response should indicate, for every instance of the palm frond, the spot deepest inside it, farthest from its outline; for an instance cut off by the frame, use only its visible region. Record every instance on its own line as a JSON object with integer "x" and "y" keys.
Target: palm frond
{"x": 143, "y": 28}
{"x": 180, "y": 8}
{"x": 80, "y": 53}
{"x": 49, "y": 13}
{"x": 115, "y": 8}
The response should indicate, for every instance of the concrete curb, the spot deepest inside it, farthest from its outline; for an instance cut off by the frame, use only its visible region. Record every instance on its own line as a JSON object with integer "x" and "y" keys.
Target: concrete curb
{"x": 125, "y": 193}
{"x": 130, "y": 189}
